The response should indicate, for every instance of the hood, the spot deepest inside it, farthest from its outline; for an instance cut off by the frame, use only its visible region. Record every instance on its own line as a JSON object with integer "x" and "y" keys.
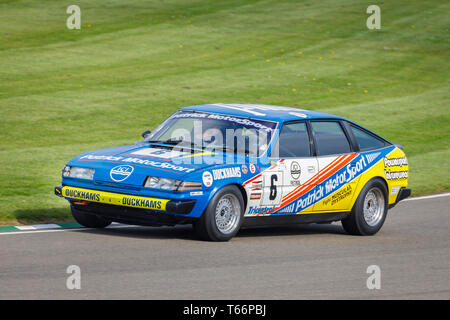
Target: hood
{"x": 130, "y": 165}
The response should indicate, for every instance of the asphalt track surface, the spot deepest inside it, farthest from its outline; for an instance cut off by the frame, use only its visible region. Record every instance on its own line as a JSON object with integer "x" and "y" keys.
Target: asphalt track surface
{"x": 295, "y": 262}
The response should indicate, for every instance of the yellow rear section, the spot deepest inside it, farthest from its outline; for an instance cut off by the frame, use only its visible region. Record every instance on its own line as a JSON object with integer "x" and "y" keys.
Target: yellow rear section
{"x": 393, "y": 169}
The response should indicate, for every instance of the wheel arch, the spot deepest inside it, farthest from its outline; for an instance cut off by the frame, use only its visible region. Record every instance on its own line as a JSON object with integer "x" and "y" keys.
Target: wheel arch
{"x": 384, "y": 182}
{"x": 243, "y": 192}
{"x": 235, "y": 184}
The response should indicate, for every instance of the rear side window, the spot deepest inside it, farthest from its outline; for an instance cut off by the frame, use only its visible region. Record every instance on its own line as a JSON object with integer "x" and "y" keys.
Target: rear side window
{"x": 293, "y": 141}
{"x": 365, "y": 140}
{"x": 330, "y": 138}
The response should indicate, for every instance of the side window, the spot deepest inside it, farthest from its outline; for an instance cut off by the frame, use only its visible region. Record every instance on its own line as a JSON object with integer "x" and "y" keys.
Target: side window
{"x": 365, "y": 140}
{"x": 330, "y": 138}
{"x": 293, "y": 141}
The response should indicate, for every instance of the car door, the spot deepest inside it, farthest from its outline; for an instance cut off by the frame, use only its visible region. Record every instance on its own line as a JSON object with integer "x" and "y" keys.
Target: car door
{"x": 336, "y": 160}
{"x": 289, "y": 184}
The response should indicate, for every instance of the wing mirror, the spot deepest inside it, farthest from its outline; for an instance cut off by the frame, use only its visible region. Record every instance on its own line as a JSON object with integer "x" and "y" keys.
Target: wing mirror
{"x": 146, "y": 133}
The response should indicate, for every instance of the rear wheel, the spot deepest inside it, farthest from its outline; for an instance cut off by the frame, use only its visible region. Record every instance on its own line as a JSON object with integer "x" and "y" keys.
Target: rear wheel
{"x": 89, "y": 220}
{"x": 370, "y": 210}
{"x": 223, "y": 217}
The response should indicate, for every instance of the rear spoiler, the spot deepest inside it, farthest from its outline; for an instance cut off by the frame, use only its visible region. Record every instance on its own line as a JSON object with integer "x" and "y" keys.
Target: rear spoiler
{"x": 398, "y": 145}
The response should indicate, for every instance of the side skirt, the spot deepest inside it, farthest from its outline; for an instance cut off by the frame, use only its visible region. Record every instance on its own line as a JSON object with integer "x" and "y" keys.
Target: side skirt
{"x": 274, "y": 220}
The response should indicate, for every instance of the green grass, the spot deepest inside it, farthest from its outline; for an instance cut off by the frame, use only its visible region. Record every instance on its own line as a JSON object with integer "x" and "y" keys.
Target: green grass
{"x": 63, "y": 92}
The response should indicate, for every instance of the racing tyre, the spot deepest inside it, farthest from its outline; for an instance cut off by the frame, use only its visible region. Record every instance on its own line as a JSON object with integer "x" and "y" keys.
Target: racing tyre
{"x": 370, "y": 210}
{"x": 223, "y": 217}
{"x": 89, "y": 220}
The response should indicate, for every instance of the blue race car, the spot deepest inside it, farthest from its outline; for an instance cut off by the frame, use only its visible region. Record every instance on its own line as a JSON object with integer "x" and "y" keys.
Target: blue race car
{"x": 223, "y": 166}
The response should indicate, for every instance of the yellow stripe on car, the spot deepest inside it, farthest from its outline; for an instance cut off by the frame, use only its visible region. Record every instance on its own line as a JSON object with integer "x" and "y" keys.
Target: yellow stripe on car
{"x": 206, "y": 153}
{"x": 114, "y": 198}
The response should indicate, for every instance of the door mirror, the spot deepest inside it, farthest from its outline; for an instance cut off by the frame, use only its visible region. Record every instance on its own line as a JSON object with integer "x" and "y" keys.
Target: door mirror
{"x": 146, "y": 133}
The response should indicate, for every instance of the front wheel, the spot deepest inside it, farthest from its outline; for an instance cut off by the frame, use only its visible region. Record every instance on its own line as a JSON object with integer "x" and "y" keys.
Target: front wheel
{"x": 370, "y": 210}
{"x": 223, "y": 217}
{"x": 89, "y": 220}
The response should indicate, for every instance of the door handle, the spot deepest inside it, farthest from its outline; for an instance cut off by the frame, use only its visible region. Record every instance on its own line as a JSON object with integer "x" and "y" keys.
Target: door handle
{"x": 311, "y": 169}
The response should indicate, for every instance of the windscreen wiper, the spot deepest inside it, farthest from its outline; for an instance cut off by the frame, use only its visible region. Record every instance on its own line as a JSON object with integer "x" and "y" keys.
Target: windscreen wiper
{"x": 177, "y": 142}
{"x": 234, "y": 149}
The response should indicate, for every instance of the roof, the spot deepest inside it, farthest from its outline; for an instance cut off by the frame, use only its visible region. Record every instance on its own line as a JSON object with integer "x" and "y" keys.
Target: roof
{"x": 261, "y": 111}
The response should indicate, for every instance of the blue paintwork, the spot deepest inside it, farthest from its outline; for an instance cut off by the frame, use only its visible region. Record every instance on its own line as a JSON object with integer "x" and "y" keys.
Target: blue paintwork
{"x": 274, "y": 113}
{"x": 161, "y": 167}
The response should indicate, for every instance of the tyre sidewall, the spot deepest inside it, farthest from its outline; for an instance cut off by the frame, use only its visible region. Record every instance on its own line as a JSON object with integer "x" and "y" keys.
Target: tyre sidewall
{"x": 208, "y": 219}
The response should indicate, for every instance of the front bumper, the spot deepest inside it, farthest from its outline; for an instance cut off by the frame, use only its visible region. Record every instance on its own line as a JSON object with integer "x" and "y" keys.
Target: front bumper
{"x": 82, "y": 196}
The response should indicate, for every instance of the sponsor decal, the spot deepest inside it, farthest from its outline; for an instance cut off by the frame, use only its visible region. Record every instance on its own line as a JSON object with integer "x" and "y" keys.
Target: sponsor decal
{"x": 394, "y": 190}
{"x": 151, "y": 163}
{"x": 395, "y": 175}
{"x": 256, "y": 124}
{"x": 252, "y": 168}
{"x": 142, "y": 203}
{"x": 82, "y": 195}
{"x": 244, "y": 169}
{"x": 233, "y": 172}
{"x": 339, "y": 195}
{"x": 196, "y": 193}
{"x": 207, "y": 178}
{"x": 295, "y": 170}
{"x": 352, "y": 170}
{"x": 101, "y": 157}
{"x": 114, "y": 198}
{"x": 261, "y": 210}
{"x": 395, "y": 163}
{"x": 309, "y": 199}
{"x": 121, "y": 173}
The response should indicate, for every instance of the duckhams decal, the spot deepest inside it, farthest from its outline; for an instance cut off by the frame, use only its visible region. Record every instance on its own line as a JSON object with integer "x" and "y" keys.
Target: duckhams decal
{"x": 114, "y": 198}
{"x": 81, "y": 194}
{"x": 233, "y": 172}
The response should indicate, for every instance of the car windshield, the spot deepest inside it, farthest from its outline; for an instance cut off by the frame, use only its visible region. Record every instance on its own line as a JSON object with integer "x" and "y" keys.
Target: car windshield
{"x": 215, "y": 131}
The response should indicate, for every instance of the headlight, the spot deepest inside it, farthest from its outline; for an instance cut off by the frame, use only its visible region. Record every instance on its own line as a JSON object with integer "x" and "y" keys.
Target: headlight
{"x": 78, "y": 172}
{"x": 170, "y": 184}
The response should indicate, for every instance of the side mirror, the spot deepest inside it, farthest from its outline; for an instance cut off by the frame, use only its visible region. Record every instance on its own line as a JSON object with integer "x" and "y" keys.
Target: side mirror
{"x": 146, "y": 133}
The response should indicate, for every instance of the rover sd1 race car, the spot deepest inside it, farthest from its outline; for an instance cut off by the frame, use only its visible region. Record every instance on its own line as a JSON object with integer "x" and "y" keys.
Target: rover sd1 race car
{"x": 223, "y": 166}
